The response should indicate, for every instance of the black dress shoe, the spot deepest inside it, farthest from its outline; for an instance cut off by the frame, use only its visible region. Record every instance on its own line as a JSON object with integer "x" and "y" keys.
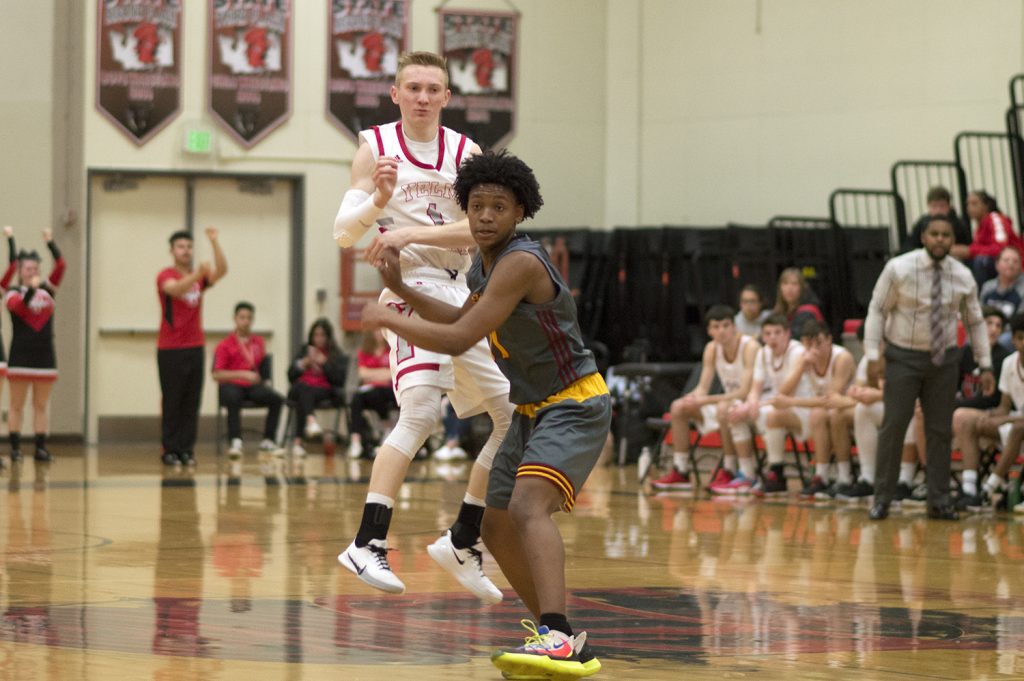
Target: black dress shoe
{"x": 880, "y": 511}
{"x": 946, "y": 512}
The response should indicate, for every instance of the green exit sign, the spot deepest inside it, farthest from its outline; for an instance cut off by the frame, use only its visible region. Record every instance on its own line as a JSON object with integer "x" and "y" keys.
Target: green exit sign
{"x": 198, "y": 141}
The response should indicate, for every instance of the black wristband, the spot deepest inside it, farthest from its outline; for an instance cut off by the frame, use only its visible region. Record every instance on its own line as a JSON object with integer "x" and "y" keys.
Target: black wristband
{"x": 12, "y": 250}
{"x": 54, "y": 251}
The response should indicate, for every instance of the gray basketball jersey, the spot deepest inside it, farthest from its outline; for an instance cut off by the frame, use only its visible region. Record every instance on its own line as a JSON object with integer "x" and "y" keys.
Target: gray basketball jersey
{"x": 539, "y": 347}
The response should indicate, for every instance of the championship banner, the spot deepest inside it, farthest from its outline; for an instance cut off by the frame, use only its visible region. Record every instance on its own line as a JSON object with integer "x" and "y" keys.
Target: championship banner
{"x": 138, "y": 77}
{"x": 481, "y": 52}
{"x": 250, "y": 66}
{"x": 366, "y": 38}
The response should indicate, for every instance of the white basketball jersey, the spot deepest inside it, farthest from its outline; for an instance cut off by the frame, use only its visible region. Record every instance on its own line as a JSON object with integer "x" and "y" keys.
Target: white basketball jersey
{"x": 814, "y": 384}
{"x": 731, "y": 373}
{"x": 772, "y": 371}
{"x": 423, "y": 193}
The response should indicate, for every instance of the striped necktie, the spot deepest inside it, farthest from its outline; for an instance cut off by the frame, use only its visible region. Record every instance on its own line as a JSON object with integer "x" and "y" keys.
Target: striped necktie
{"x": 935, "y": 318}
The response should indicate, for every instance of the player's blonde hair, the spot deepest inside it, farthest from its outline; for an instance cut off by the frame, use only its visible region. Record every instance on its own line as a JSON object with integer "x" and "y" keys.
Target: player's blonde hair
{"x": 421, "y": 59}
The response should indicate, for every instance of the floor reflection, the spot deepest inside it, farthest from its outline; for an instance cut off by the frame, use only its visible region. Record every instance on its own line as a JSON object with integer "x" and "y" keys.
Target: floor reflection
{"x": 237, "y": 562}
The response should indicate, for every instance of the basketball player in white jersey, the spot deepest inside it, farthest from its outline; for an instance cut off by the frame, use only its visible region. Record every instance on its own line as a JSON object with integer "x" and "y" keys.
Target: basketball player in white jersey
{"x": 812, "y": 392}
{"x": 730, "y": 354}
{"x": 401, "y": 187}
{"x": 864, "y": 414}
{"x": 774, "y": 363}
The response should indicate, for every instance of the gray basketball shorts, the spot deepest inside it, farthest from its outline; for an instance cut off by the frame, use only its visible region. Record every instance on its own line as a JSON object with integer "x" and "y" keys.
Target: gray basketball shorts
{"x": 560, "y": 443}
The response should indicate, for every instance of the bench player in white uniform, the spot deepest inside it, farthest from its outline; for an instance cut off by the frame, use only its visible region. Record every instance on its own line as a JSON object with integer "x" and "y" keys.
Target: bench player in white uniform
{"x": 730, "y": 355}
{"x": 824, "y": 374}
{"x": 774, "y": 363}
{"x": 402, "y": 177}
{"x": 1005, "y": 423}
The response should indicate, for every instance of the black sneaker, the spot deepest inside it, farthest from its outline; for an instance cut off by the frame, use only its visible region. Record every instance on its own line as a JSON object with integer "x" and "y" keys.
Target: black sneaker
{"x": 772, "y": 483}
{"x": 818, "y": 489}
{"x": 975, "y": 503}
{"x": 187, "y": 459}
{"x": 856, "y": 490}
{"x": 43, "y": 455}
{"x": 15, "y": 455}
{"x": 903, "y": 491}
{"x": 170, "y": 459}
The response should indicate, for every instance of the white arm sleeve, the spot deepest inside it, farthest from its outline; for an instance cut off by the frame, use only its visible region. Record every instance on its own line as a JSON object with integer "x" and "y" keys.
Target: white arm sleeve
{"x": 355, "y": 216}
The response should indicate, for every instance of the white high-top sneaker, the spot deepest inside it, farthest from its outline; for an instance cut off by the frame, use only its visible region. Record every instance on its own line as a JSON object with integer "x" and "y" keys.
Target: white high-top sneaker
{"x": 370, "y": 564}
{"x": 466, "y": 565}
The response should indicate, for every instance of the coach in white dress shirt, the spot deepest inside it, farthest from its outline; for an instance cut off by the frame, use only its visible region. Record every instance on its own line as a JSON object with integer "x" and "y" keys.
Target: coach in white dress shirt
{"x": 914, "y": 308}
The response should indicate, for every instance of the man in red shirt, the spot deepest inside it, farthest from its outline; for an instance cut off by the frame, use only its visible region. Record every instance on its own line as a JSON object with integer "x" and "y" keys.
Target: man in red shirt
{"x": 180, "y": 343}
{"x": 241, "y": 368}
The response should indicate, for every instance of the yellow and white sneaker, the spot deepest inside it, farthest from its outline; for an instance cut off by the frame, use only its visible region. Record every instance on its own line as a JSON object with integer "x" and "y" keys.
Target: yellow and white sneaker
{"x": 547, "y": 654}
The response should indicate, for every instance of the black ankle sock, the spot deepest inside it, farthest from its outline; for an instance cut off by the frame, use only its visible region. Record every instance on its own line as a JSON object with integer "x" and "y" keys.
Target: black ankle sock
{"x": 15, "y": 440}
{"x": 375, "y": 524}
{"x": 555, "y": 621}
{"x": 40, "y": 442}
{"x": 466, "y": 530}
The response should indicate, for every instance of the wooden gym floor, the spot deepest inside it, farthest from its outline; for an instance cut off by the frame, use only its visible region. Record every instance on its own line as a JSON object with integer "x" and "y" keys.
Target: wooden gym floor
{"x": 114, "y": 568}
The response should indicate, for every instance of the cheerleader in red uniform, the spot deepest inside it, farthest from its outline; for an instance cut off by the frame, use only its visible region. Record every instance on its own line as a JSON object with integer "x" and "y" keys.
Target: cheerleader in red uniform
{"x": 12, "y": 267}
{"x": 33, "y": 361}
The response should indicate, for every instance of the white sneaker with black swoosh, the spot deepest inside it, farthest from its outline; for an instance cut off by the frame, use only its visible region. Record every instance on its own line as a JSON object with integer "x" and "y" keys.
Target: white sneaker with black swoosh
{"x": 466, "y": 565}
{"x": 370, "y": 564}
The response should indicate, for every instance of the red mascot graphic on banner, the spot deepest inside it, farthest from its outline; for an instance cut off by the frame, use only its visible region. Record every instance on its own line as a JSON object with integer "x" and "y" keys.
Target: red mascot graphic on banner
{"x": 484, "y": 60}
{"x": 146, "y": 42}
{"x": 373, "y": 51}
{"x": 256, "y": 40}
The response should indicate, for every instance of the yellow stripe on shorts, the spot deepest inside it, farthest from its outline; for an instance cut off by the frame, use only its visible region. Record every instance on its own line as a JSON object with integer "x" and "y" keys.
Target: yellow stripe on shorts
{"x": 580, "y": 391}
{"x": 554, "y": 476}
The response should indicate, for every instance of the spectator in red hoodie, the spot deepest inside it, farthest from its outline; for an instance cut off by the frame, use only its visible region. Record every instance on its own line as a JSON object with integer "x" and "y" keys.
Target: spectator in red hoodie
{"x": 994, "y": 232}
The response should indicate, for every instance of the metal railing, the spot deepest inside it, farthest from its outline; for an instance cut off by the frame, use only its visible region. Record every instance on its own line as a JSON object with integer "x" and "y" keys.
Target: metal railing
{"x": 912, "y": 180}
{"x": 858, "y": 208}
{"x": 987, "y": 159}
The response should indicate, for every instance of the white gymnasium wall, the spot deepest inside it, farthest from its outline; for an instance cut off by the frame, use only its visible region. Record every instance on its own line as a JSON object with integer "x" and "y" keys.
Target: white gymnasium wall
{"x": 745, "y": 117}
{"x": 560, "y": 131}
{"x": 34, "y": 134}
{"x": 631, "y": 112}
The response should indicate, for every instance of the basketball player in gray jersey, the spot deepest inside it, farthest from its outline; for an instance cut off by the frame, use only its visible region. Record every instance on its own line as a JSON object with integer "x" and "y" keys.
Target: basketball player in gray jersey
{"x": 563, "y": 411}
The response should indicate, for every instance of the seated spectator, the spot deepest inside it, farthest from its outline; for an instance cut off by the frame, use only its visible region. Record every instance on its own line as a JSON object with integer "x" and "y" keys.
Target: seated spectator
{"x": 772, "y": 365}
{"x": 374, "y": 392}
{"x": 1004, "y": 423}
{"x": 1006, "y": 289}
{"x": 993, "y": 233}
{"x": 752, "y": 313}
{"x": 970, "y": 393}
{"x": 316, "y": 372}
{"x": 730, "y": 354}
{"x": 795, "y": 300}
{"x": 813, "y": 391}
{"x": 940, "y": 205}
{"x": 241, "y": 369}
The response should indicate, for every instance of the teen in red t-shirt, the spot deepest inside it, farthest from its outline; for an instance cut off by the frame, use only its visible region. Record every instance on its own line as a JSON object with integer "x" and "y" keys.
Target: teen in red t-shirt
{"x": 180, "y": 353}
{"x": 241, "y": 367}
{"x": 374, "y": 392}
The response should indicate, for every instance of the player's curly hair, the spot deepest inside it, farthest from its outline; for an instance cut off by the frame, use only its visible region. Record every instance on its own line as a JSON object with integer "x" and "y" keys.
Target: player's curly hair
{"x": 501, "y": 168}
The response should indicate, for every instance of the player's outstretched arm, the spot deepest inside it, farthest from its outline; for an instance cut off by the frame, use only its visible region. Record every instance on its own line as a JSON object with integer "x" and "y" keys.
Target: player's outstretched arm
{"x": 429, "y": 308}
{"x": 513, "y": 279}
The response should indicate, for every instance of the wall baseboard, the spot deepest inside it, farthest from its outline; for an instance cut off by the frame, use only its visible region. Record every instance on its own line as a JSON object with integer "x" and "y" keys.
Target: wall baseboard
{"x": 147, "y": 428}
